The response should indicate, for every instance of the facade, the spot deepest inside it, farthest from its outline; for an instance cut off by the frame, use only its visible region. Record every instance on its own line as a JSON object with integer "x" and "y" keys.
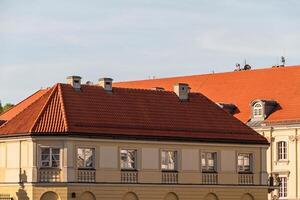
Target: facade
{"x": 267, "y": 100}
{"x": 81, "y": 141}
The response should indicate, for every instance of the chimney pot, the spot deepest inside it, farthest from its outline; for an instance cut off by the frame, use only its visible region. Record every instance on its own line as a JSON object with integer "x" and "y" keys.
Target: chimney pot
{"x": 106, "y": 83}
{"x": 75, "y": 81}
{"x": 182, "y": 90}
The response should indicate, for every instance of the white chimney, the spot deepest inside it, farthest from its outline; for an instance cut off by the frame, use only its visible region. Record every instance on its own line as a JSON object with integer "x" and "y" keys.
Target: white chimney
{"x": 182, "y": 90}
{"x": 75, "y": 81}
{"x": 106, "y": 83}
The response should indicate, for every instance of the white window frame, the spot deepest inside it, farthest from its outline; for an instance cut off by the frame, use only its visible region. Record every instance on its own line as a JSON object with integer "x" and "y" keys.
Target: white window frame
{"x": 215, "y": 161}
{"x": 84, "y": 162}
{"x": 258, "y": 110}
{"x": 50, "y": 157}
{"x": 135, "y": 162}
{"x": 282, "y": 150}
{"x": 251, "y": 158}
{"x": 175, "y": 168}
{"x": 283, "y": 189}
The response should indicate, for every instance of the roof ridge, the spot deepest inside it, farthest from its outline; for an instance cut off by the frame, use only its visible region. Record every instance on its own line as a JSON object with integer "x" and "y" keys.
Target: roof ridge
{"x": 44, "y": 108}
{"x": 62, "y": 105}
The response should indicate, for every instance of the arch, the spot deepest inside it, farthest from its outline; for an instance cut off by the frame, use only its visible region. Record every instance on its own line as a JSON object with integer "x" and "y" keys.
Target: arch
{"x": 211, "y": 196}
{"x": 130, "y": 196}
{"x": 50, "y": 196}
{"x": 171, "y": 196}
{"x": 87, "y": 196}
{"x": 247, "y": 197}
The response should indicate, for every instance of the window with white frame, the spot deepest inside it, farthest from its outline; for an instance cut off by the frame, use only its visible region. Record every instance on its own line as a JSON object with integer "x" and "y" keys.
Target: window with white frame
{"x": 128, "y": 159}
{"x": 86, "y": 158}
{"x": 258, "y": 110}
{"x": 244, "y": 162}
{"x": 169, "y": 160}
{"x": 209, "y": 161}
{"x": 283, "y": 187}
{"x": 282, "y": 150}
{"x": 50, "y": 157}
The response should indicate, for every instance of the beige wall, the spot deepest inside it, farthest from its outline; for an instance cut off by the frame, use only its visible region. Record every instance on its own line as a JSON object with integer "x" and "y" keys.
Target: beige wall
{"x": 107, "y": 161}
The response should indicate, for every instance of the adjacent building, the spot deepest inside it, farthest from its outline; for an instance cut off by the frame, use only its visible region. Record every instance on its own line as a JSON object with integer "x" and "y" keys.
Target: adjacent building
{"x": 267, "y": 100}
{"x": 87, "y": 142}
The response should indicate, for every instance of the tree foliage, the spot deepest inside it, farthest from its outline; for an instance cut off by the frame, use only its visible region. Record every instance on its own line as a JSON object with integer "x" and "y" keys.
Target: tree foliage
{"x": 6, "y": 107}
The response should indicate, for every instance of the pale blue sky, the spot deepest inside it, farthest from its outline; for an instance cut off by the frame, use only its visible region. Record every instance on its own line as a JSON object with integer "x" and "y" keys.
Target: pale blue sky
{"x": 42, "y": 42}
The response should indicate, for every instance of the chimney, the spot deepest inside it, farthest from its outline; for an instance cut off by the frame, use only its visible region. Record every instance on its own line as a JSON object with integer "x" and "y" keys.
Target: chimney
{"x": 182, "y": 90}
{"x": 75, "y": 81}
{"x": 106, "y": 83}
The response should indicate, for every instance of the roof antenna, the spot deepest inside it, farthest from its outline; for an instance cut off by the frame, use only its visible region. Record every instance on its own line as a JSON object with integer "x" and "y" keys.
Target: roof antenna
{"x": 282, "y": 61}
{"x": 247, "y": 66}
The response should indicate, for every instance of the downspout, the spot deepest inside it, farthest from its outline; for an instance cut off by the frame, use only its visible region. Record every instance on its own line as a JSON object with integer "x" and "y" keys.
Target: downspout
{"x": 20, "y": 168}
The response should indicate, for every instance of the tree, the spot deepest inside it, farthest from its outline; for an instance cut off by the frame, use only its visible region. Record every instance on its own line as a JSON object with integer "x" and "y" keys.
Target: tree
{"x": 6, "y": 107}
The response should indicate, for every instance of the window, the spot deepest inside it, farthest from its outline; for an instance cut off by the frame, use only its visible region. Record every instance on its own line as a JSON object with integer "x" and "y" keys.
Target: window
{"x": 128, "y": 159}
{"x": 50, "y": 157}
{"x": 282, "y": 150}
{"x": 257, "y": 110}
{"x": 86, "y": 158}
{"x": 283, "y": 187}
{"x": 244, "y": 162}
{"x": 169, "y": 160}
{"x": 209, "y": 161}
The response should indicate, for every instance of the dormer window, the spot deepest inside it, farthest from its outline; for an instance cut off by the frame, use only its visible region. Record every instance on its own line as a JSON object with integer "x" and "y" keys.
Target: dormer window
{"x": 261, "y": 109}
{"x": 258, "y": 110}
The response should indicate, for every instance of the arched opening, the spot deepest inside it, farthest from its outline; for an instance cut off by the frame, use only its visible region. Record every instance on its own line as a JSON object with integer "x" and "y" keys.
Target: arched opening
{"x": 171, "y": 196}
{"x": 50, "y": 196}
{"x": 130, "y": 196}
{"x": 247, "y": 197}
{"x": 211, "y": 196}
{"x": 87, "y": 196}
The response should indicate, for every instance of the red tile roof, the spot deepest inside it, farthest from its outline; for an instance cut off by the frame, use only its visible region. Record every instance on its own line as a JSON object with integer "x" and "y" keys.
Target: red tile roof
{"x": 126, "y": 112}
{"x": 241, "y": 88}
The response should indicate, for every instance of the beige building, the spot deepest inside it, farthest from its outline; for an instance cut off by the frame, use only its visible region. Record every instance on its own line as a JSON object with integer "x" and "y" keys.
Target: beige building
{"x": 86, "y": 142}
{"x": 267, "y": 100}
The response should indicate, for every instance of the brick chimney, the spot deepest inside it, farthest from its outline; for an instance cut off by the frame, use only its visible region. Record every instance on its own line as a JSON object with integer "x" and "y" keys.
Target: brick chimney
{"x": 106, "y": 83}
{"x": 75, "y": 81}
{"x": 182, "y": 90}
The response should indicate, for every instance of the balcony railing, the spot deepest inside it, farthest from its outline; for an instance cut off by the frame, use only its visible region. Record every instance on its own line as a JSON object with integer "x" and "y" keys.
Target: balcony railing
{"x": 210, "y": 178}
{"x": 246, "y": 179}
{"x": 129, "y": 177}
{"x": 170, "y": 177}
{"x": 86, "y": 175}
{"x": 50, "y": 175}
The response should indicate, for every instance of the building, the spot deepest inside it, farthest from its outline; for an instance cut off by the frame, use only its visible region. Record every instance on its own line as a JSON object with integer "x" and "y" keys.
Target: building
{"x": 87, "y": 142}
{"x": 267, "y": 100}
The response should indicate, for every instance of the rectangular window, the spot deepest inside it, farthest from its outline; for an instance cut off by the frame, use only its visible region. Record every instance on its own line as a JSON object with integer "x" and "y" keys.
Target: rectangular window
{"x": 128, "y": 159}
{"x": 283, "y": 187}
{"x": 244, "y": 162}
{"x": 50, "y": 157}
{"x": 169, "y": 160}
{"x": 282, "y": 150}
{"x": 86, "y": 158}
{"x": 209, "y": 161}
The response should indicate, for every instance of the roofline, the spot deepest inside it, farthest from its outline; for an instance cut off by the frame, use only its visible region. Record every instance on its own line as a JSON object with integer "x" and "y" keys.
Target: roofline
{"x": 140, "y": 137}
{"x": 218, "y": 73}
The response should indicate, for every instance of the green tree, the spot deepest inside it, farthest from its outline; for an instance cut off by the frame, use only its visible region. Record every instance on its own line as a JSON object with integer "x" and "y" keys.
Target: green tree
{"x": 7, "y": 106}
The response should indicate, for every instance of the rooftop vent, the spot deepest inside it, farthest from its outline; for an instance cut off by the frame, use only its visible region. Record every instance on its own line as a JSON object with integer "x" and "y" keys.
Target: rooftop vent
{"x": 182, "y": 90}
{"x": 75, "y": 81}
{"x": 106, "y": 83}
{"x": 158, "y": 88}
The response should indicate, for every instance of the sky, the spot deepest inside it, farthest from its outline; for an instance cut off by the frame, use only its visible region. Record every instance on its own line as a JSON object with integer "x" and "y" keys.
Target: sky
{"x": 43, "y": 42}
